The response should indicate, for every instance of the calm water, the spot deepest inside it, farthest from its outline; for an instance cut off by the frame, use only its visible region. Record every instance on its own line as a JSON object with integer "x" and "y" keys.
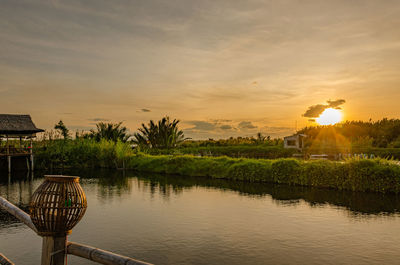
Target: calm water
{"x": 182, "y": 220}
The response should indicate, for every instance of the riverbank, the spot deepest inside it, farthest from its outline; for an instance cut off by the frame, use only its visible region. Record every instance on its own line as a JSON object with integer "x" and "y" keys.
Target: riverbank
{"x": 275, "y": 151}
{"x": 377, "y": 175}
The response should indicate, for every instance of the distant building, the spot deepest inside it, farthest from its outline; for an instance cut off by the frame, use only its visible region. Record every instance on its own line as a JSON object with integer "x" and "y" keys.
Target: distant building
{"x": 295, "y": 141}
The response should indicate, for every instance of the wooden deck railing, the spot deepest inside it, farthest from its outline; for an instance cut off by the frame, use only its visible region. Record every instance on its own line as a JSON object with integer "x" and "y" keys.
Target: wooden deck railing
{"x": 12, "y": 150}
{"x": 87, "y": 252}
{"x": 100, "y": 256}
{"x": 4, "y": 260}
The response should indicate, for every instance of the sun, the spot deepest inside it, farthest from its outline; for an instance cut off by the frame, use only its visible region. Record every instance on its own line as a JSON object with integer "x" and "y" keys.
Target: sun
{"x": 329, "y": 117}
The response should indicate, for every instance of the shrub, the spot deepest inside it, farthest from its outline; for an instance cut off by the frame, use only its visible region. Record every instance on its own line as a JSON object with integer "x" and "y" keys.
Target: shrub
{"x": 81, "y": 153}
{"x": 378, "y": 175}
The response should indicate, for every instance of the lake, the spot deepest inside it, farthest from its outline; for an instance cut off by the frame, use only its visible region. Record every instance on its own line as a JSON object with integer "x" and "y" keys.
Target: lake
{"x": 185, "y": 220}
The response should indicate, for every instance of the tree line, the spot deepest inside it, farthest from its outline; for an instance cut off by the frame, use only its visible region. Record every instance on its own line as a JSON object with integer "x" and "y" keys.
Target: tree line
{"x": 162, "y": 134}
{"x": 165, "y": 134}
{"x": 382, "y": 133}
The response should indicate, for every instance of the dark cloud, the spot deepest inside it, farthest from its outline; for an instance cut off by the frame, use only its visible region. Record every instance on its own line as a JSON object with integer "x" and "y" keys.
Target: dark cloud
{"x": 316, "y": 110}
{"x": 221, "y": 120}
{"x": 220, "y": 133}
{"x": 220, "y": 124}
{"x": 336, "y": 103}
{"x": 209, "y": 126}
{"x": 246, "y": 125}
{"x": 276, "y": 131}
{"x": 201, "y": 129}
{"x": 202, "y": 126}
{"x": 226, "y": 127}
{"x": 145, "y": 110}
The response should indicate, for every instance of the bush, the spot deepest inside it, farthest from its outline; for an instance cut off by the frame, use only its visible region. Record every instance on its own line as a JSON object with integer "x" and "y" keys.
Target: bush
{"x": 378, "y": 175}
{"x": 236, "y": 151}
{"x": 81, "y": 153}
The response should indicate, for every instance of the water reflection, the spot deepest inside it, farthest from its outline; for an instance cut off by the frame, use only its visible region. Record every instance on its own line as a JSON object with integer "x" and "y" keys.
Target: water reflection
{"x": 181, "y": 220}
{"x": 17, "y": 188}
{"x": 20, "y": 186}
{"x": 357, "y": 202}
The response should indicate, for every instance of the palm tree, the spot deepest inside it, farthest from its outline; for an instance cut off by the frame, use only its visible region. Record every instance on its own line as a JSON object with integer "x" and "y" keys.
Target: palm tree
{"x": 260, "y": 138}
{"x": 164, "y": 134}
{"x": 110, "y": 131}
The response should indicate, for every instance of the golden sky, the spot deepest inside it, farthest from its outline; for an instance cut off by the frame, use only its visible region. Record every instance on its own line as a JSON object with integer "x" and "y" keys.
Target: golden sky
{"x": 223, "y": 67}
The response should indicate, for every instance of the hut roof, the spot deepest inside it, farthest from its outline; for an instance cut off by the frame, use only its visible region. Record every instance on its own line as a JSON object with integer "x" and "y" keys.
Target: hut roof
{"x": 17, "y": 124}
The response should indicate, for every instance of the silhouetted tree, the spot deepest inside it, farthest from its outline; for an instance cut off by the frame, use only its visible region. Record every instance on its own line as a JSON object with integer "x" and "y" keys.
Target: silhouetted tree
{"x": 164, "y": 134}
{"x": 383, "y": 132}
{"x": 60, "y": 126}
{"x": 110, "y": 131}
{"x": 260, "y": 138}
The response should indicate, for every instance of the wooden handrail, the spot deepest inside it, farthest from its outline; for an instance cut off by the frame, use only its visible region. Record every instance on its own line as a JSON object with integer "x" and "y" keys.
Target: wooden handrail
{"x": 100, "y": 256}
{"x": 18, "y": 213}
{"x": 4, "y": 260}
{"x": 87, "y": 252}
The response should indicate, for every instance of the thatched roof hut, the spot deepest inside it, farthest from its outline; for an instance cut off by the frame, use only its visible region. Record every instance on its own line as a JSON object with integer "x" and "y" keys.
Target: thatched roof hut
{"x": 17, "y": 125}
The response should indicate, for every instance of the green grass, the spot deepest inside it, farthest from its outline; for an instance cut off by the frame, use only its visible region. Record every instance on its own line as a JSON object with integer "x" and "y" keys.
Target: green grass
{"x": 271, "y": 151}
{"x": 247, "y": 151}
{"x": 81, "y": 153}
{"x": 378, "y": 175}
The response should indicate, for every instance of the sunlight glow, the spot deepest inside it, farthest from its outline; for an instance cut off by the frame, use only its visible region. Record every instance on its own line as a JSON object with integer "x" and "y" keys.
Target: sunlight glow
{"x": 329, "y": 117}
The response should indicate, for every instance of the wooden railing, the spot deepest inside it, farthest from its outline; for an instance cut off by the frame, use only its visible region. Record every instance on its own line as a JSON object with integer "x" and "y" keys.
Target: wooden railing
{"x": 14, "y": 150}
{"x": 4, "y": 260}
{"x": 87, "y": 252}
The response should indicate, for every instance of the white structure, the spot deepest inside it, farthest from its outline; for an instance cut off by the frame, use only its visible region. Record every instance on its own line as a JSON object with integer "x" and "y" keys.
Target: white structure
{"x": 294, "y": 141}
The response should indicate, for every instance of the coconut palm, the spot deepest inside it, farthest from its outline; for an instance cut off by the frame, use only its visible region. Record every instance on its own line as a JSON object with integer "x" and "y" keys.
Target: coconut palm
{"x": 163, "y": 134}
{"x": 110, "y": 131}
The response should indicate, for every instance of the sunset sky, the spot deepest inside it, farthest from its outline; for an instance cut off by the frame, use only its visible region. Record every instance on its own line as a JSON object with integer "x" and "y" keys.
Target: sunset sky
{"x": 224, "y": 68}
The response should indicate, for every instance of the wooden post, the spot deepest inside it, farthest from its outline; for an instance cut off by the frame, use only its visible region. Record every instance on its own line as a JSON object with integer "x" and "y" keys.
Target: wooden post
{"x": 27, "y": 164}
{"x": 9, "y": 163}
{"x": 31, "y": 150}
{"x": 8, "y": 156}
{"x": 54, "y": 250}
{"x": 8, "y": 146}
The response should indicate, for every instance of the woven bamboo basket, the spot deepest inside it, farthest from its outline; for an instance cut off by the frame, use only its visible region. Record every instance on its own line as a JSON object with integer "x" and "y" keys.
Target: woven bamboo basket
{"x": 57, "y": 205}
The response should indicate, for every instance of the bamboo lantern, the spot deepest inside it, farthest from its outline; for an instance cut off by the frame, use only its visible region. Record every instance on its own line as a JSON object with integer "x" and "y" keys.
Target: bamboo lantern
{"x": 57, "y": 205}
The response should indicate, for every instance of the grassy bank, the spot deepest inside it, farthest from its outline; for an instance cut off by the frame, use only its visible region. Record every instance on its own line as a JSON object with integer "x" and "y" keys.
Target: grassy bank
{"x": 273, "y": 152}
{"x": 236, "y": 151}
{"x": 379, "y": 175}
{"x": 81, "y": 153}
{"x": 376, "y": 175}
